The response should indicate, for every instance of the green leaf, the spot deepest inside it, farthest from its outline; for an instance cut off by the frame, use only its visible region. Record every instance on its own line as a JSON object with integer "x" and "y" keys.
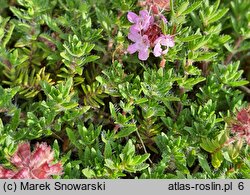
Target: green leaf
{"x": 218, "y": 16}
{"x": 110, "y": 164}
{"x": 180, "y": 161}
{"x": 8, "y": 35}
{"x": 189, "y": 83}
{"x": 182, "y": 8}
{"x": 89, "y": 173}
{"x": 191, "y": 158}
{"x": 112, "y": 110}
{"x": 15, "y": 120}
{"x": 190, "y": 38}
{"x": 206, "y": 56}
{"x": 238, "y": 83}
{"x": 140, "y": 159}
{"x": 141, "y": 101}
{"x": 192, "y": 7}
{"x": 56, "y": 149}
{"x": 1, "y": 126}
{"x": 217, "y": 159}
{"x": 204, "y": 164}
{"x": 125, "y": 131}
{"x": 101, "y": 80}
{"x": 69, "y": 105}
{"x": 226, "y": 156}
{"x": 90, "y": 59}
{"x": 129, "y": 149}
{"x": 210, "y": 145}
{"x": 170, "y": 99}
{"x": 108, "y": 150}
{"x": 72, "y": 136}
{"x": 195, "y": 45}
{"x": 84, "y": 109}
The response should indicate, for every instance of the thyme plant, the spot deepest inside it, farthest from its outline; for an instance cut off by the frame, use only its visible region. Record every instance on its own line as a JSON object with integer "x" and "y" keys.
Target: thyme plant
{"x": 125, "y": 89}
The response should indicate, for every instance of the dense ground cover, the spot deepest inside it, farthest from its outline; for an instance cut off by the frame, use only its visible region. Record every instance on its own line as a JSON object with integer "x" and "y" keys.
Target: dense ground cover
{"x": 124, "y": 89}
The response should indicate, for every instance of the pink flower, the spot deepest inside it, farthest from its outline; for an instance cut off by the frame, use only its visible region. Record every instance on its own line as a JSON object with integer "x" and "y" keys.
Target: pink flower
{"x": 153, "y": 32}
{"x": 163, "y": 18}
{"x": 163, "y": 40}
{"x": 156, "y": 5}
{"x": 140, "y": 22}
{"x": 242, "y": 126}
{"x": 147, "y": 34}
{"x": 163, "y": 4}
{"x": 35, "y": 165}
{"x": 141, "y": 45}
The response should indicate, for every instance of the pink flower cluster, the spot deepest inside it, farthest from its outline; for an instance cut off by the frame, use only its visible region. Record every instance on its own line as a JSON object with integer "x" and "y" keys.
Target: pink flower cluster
{"x": 35, "y": 165}
{"x": 156, "y": 5}
{"x": 242, "y": 126}
{"x": 146, "y": 35}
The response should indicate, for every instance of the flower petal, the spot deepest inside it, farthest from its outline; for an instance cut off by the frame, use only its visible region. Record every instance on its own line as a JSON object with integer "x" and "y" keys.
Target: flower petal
{"x": 132, "y": 17}
{"x": 23, "y": 174}
{"x": 133, "y": 35}
{"x": 144, "y": 13}
{"x": 6, "y": 173}
{"x": 21, "y": 157}
{"x": 164, "y": 19}
{"x": 145, "y": 20}
{"x": 45, "y": 171}
{"x": 248, "y": 139}
{"x": 157, "y": 50}
{"x": 166, "y": 40}
{"x": 41, "y": 154}
{"x": 143, "y": 54}
{"x": 243, "y": 116}
{"x": 163, "y": 4}
{"x": 165, "y": 51}
{"x": 132, "y": 48}
{"x": 170, "y": 42}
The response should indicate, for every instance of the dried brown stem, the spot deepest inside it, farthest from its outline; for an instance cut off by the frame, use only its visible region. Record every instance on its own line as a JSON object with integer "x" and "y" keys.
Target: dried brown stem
{"x": 196, "y": 169}
{"x": 245, "y": 89}
{"x": 237, "y": 45}
{"x": 205, "y": 68}
{"x": 144, "y": 147}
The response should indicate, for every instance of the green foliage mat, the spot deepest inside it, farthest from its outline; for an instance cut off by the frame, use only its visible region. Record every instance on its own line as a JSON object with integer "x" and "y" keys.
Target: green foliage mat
{"x": 67, "y": 79}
